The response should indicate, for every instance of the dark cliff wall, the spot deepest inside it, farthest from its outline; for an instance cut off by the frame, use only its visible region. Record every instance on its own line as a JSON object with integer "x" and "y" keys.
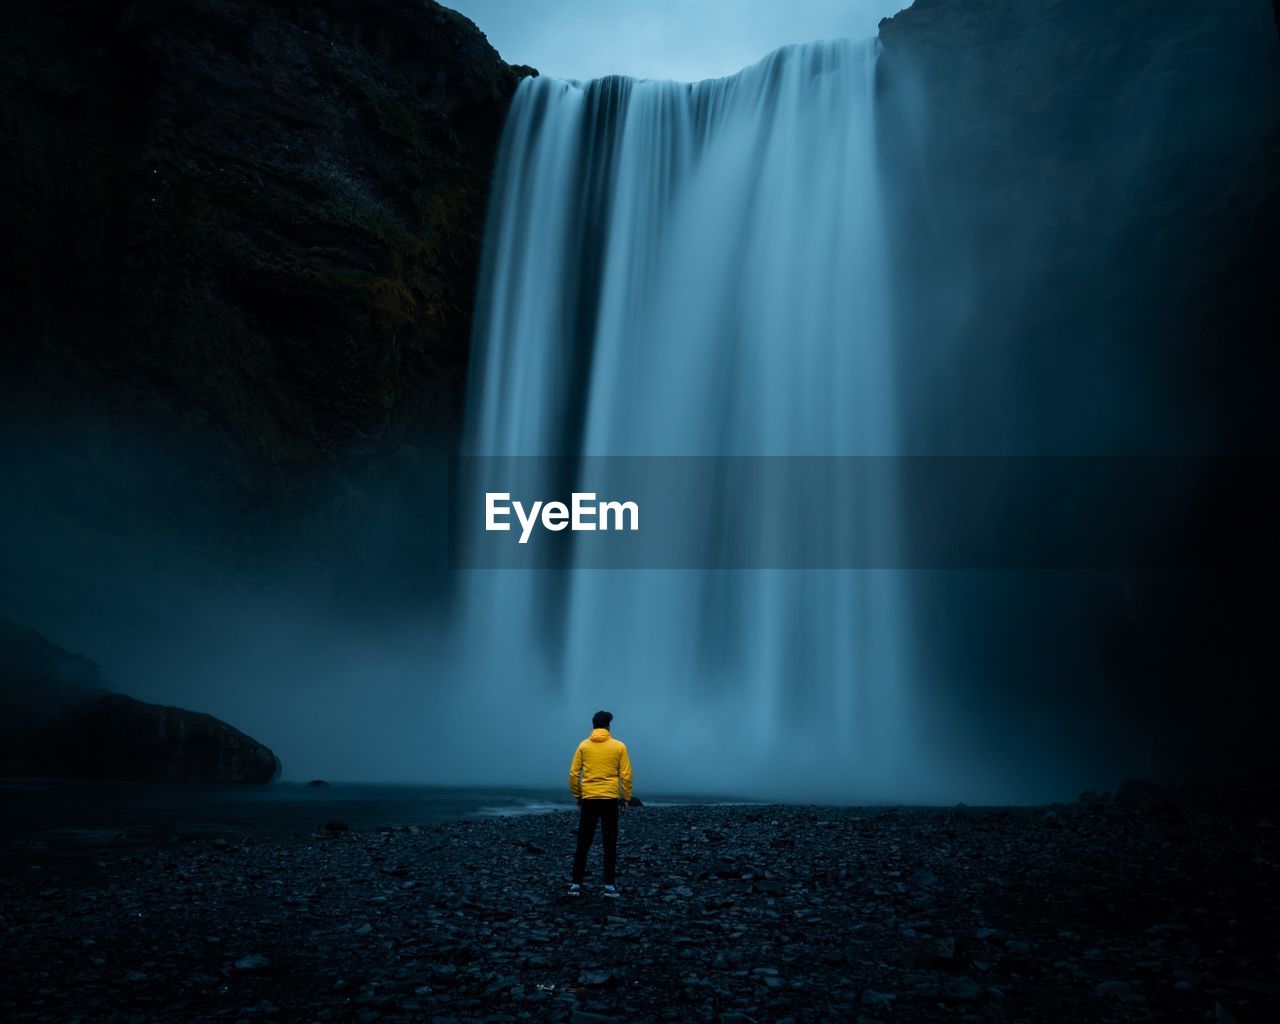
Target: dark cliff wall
{"x": 241, "y": 246}
{"x": 1086, "y": 208}
{"x": 1085, "y": 212}
{"x": 251, "y": 226}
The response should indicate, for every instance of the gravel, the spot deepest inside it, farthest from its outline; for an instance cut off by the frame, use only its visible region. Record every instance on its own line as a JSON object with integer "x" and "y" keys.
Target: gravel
{"x": 729, "y": 913}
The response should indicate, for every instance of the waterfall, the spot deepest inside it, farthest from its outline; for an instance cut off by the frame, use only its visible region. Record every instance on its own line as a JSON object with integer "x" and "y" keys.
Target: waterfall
{"x": 696, "y": 269}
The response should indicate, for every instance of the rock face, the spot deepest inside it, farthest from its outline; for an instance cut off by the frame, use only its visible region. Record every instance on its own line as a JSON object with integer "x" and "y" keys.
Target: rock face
{"x": 252, "y": 224}
{"x": 1084, "y": 206}
{"x": 40, "y": 684}
{"x": 117, "y": 737}
{"x": 57, "y": 721}
{"x": 1086, "y": 211}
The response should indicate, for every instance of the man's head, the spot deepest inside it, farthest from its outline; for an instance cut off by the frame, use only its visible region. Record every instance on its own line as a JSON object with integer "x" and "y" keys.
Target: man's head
{"x": 601, "y": 720}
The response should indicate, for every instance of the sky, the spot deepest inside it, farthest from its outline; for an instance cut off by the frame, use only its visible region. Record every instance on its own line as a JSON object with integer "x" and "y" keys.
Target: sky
{"x": 685, "y": 40}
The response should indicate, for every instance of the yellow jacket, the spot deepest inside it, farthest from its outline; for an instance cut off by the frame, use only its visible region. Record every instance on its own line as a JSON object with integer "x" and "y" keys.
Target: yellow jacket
{"x": 601, "y": 769}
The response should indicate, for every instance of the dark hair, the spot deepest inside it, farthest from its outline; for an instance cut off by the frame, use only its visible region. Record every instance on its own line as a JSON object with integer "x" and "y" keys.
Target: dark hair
{"x": 601, "y": 720}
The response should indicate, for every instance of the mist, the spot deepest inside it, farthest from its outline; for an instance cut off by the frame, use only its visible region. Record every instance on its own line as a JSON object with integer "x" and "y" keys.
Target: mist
{"x": 376, "y": 665}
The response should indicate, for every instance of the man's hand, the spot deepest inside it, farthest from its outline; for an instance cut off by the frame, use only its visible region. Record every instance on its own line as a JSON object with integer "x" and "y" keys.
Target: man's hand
{"x": 578, "y": 801}
{"x": 626, "y": 804}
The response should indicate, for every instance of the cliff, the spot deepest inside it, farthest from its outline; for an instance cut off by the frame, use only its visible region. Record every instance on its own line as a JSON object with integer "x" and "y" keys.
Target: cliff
{"x": 244, "y": 229}
{"x": 1084, "y": 212}
{"x": 58, "y": 721}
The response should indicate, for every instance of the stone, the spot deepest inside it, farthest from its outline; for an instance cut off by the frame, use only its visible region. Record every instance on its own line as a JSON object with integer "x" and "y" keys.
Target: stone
{"x": 961, "y": 990}
{"x": 1112, "y": 988}
{"x": 946, "y": 951}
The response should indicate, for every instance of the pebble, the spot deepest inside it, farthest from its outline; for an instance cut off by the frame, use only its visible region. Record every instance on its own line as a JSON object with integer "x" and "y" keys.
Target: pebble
{"x": 962, "y": 990}
{"x": 873, "y": 999}
{"x": 1112, "y": 988}
{"x": 754, "y": 914}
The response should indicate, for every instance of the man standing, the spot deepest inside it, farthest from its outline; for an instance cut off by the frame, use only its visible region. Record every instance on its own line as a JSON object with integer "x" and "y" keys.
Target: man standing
{"x": 599, "y": 777}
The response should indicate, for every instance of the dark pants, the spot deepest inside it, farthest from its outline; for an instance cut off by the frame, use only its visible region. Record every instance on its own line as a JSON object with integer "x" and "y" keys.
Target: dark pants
{"x": 605, "y": 812}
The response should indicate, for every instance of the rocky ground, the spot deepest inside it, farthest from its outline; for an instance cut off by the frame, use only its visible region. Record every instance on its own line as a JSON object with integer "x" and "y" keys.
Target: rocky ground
{"x": 1102, "y": 912}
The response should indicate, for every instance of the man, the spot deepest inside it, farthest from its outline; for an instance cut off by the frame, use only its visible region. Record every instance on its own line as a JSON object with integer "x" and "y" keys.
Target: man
{"x": 599, "y": 777}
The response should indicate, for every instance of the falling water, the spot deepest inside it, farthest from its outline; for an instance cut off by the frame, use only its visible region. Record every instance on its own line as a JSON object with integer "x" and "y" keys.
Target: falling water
{"x": 696, "y": 269}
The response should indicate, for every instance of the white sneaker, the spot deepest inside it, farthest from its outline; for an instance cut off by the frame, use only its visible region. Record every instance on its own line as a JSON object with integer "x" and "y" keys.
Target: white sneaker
{"x": 610, "y": 891}
{"x": 574, "y": 889}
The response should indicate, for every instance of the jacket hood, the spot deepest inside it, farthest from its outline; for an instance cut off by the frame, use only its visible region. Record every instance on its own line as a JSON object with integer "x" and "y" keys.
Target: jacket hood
{"x": 599, "y": 735}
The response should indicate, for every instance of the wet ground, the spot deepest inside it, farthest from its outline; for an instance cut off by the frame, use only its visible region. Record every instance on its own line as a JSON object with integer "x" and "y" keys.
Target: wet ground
{"x": 1160, "y": 911}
